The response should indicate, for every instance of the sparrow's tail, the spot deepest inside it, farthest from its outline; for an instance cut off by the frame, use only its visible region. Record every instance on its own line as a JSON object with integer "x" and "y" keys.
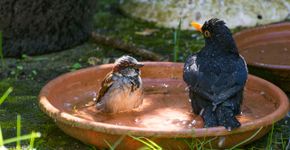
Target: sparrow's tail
{"x": 226, "y": 117}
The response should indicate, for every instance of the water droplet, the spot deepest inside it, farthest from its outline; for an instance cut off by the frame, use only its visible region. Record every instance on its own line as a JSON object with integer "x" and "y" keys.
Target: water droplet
{"x": 262, "y": 93}
{"x": 193, "y": 122}
{"x": 165, "y": 85}
{"x": 184, "y": 122}
{"x": 221, "y": 141}
{"x": 94, "y": 94}
{"x": 67, "y": 105}
{"x": 137, "y": 120}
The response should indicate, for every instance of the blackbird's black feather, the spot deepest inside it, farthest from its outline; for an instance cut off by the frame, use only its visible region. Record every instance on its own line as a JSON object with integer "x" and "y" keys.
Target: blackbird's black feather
{"x": 216, "y": 76}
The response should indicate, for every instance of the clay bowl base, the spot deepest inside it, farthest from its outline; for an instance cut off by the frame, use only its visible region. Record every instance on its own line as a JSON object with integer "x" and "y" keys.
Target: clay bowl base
{"x": 164, "y": 117}
{"x": 267, "y": 52}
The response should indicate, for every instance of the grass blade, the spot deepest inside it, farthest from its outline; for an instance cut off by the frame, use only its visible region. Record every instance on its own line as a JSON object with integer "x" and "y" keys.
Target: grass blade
{"x": 1, "y": 138}
{"x": 114, "y": 146}
{"x": 32, "y": 139}
{"x": 246, "y": 140}
{"x": 147, "y": 142}
{"x": 270, "y": 137}
{"x": 21, "y": 138}
{"x": 176, "y": 38}
{"x": 5, "y": 95}
{"x": 18, "y": 132}
{"x": 1, "y": 52}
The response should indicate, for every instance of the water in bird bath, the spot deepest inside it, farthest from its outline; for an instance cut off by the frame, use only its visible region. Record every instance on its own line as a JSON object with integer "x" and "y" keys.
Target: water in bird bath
{"x": 165, "y": 106}
{"x": 275, "y": 53}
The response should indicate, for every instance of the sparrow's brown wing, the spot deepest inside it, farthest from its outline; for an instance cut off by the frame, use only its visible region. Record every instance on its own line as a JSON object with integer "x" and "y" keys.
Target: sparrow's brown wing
{"x": 106, "y": 84}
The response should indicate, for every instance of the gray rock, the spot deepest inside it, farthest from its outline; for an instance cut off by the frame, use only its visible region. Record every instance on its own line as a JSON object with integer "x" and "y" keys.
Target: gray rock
{"x": 41, "y": 26}
{"x": 235, "y": 13}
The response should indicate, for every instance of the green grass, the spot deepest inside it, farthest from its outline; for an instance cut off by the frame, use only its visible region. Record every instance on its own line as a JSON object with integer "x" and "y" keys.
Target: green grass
{"x": 200, "y": 144}
{"x": 1, "y": 52}
{"x": 148, "y": 144}
{"x": 19, "y": 137}
{"x": 246, "y": 140}
{"x": 176, "y": 39}
{"x": 5, "y": 95}
{"x": 114, "y": 146}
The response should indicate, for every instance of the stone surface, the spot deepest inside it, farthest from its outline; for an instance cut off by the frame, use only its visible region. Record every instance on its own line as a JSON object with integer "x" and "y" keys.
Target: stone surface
{"x": 40, "y": 26}
{"x": 236, "y": 13}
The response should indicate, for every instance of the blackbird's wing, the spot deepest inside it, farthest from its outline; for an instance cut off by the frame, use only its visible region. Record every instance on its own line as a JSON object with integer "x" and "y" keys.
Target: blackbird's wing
{"x": 190, "y": 70}
{"x": 218, "y": 88}
{"x": 228, "y": 86}
{"x": 105, "y": 86}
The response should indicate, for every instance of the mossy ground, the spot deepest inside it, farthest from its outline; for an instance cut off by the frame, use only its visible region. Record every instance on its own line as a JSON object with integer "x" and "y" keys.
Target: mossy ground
{"x": 29, "y": 74}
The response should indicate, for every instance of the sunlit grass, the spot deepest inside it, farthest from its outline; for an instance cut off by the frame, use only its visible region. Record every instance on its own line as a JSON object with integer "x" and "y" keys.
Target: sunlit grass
{"x": 270, "y": 137}
{"x": 148, "y": 144}
{"x": 114, "y": 146}
{"x": 18, "y": 137}
{"x": 246, "y": 140}
{"x": 5, "y": 95}
{"x": 196, "y": 143}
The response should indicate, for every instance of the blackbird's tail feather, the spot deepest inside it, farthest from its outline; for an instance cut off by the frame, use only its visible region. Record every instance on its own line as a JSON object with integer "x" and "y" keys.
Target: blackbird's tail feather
{"x": 226, "y": 117}
{"x": 209, "y": 117}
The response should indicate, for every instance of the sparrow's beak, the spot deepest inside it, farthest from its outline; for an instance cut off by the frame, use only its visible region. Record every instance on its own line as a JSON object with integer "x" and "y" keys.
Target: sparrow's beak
{"x": 197, "y": 26}
{"x": 139, "y": 65}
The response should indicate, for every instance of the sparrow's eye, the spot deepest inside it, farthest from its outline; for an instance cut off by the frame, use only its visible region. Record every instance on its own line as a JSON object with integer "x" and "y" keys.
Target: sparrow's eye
{"x": 206, "y": 33}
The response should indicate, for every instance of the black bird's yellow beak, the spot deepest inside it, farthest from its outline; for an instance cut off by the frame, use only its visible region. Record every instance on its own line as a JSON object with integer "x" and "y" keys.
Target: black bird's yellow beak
{"x": 197, "y": 26}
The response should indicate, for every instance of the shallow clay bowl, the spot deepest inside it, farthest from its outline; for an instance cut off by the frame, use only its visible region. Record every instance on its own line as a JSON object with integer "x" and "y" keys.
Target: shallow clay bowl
{"x": 164, "y": 117}
{"x": 267, "y": 52}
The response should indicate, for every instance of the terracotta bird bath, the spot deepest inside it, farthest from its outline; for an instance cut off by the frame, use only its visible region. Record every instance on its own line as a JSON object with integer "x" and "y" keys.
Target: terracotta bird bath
{"x": 267, "y": 52}
{"x": 164, "y": 117}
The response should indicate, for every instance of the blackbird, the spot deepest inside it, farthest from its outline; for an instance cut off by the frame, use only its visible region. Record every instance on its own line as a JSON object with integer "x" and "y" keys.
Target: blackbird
{"x": 216, "y": 76}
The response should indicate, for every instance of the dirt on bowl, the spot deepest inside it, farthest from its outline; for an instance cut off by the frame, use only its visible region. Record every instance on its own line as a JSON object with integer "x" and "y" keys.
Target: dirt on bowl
{"x": 165, "y": 116}
{"x": 267, "y": 52}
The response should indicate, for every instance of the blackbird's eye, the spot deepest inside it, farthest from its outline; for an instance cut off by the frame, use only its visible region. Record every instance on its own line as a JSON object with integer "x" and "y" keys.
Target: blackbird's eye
{"x": 206, "y": 33}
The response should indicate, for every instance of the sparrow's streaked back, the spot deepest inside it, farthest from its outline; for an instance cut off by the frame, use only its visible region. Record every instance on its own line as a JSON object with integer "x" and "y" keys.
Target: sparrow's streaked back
{"x": 121, "y": 90}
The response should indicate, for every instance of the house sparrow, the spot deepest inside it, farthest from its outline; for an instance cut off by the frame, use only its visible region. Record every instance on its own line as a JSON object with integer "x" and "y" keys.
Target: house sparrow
{"x": 216, "y": 76}
{"x": 121, "y": 90}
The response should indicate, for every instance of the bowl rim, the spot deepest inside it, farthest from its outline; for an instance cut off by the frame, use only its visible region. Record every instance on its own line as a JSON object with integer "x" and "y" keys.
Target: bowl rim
{"x": 66, "y": 118}
{"x": 264, "y": 27}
